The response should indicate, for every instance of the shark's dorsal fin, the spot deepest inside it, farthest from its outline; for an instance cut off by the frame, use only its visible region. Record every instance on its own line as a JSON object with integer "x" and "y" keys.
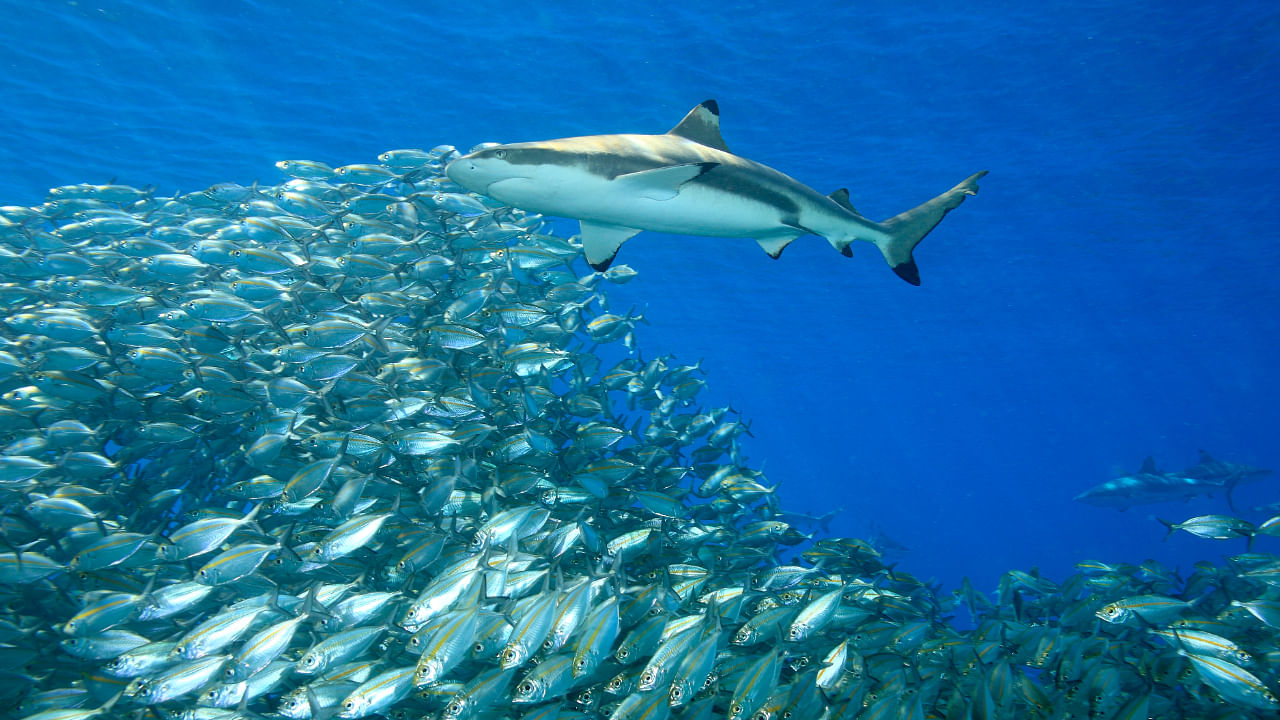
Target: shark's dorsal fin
{"x": 702, "y": 125}
{"x": 600, "y": 243}
{"x": 841, "y": 198}
{"x": 1149, "y": 467}
{"x": 1206, "y": 458}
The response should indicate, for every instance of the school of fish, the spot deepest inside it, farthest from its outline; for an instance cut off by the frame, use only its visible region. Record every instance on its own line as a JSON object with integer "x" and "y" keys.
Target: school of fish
{"x": 363, "y": 444}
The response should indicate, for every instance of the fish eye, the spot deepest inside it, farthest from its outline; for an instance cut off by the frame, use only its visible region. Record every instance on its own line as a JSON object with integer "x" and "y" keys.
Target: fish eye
{"x": 525, "y": 688}
{"x": 350, "y": 704}
{"x": 478, "y": 647}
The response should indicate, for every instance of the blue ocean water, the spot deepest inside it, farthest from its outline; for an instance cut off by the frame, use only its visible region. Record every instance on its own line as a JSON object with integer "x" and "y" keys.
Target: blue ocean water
{"x": 1108, "y": 295}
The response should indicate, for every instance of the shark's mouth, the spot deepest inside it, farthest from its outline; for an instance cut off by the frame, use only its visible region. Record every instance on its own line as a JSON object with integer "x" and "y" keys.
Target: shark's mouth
{"x": 507, "y": 183}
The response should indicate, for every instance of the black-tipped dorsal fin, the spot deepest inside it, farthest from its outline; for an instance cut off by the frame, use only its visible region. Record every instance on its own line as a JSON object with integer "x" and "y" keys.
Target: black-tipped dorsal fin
{"x": 841, "y": 198}
{"x": 702, "y": 125}
{"x": 1149, "y": 466}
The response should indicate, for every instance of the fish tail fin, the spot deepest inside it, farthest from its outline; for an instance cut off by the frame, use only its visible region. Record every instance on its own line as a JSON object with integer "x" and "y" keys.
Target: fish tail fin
{"x": 905, "y": 230}
{"x": 1169, "y": 526}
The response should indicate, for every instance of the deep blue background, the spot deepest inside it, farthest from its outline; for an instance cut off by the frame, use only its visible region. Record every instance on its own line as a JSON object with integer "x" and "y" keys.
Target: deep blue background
{"x": 1109, "y": 294}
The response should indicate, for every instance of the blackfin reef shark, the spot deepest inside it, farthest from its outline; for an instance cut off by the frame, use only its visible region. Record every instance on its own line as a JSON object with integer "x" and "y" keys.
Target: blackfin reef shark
{"x": 687, "y": 182}
{"x": 1149, "y": 485}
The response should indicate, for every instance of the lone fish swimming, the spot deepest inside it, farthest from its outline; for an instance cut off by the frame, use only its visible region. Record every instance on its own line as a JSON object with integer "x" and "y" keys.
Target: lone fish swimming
{"x": 686, "y": 182}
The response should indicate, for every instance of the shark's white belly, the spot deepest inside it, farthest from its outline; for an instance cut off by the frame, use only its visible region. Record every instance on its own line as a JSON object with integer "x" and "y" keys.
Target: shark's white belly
{"x": 695, "y": 210}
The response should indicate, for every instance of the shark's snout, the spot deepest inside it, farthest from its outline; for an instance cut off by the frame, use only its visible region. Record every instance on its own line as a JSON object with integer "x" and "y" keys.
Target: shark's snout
{"x": 460, "y": 169}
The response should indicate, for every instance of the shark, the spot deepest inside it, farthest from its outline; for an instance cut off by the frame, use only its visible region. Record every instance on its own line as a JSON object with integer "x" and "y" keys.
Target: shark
{"x": 1149, "y": 485}
{"x": 1227, "y": 474}
{"x": 687, "y": 182}
{"x": 1145, "y": 487}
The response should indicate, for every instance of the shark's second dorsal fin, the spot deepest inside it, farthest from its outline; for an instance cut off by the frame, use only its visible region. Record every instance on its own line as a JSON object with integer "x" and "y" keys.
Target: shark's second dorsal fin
{"x": 1149, "y": 466}
{"x": 841, "y": 198}
{"x": 702, "y": 125}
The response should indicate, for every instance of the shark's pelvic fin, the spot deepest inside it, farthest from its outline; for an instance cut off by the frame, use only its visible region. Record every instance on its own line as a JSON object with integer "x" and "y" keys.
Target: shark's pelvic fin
{"x": 775, "y": 244}
{"x": 702, "y": 125}
{"x": 907, "y": 229}
{"x": 661, "y": 183}
{"x": 600, "y": 243}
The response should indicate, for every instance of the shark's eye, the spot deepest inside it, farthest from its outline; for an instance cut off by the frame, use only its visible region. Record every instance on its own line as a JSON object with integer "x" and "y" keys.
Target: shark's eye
{"x": 500, "y": 154}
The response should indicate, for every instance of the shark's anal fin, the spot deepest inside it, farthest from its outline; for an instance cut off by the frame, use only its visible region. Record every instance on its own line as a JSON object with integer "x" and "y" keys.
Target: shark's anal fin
{"x": 662, "y": 183}
{"x": 702, "y": 125}
{"x": 600, "y": 243}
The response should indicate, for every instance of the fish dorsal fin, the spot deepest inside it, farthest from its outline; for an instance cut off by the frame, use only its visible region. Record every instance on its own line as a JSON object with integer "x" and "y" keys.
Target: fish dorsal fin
{"x": 841, "y": 198}
{"x": 662, "y": 183}
{"x": 1206, "y": 458}
{"x": 600, "y": 243}
{"x": 1149, "y": 466}
{"x": 702, "y": 125}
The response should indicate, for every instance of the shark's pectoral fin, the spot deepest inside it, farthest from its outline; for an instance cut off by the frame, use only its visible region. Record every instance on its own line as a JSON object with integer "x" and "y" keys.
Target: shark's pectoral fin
{"x": 600, "y": 243}
{"x": 775, "y": 244}
{"x": 661, "y": 183}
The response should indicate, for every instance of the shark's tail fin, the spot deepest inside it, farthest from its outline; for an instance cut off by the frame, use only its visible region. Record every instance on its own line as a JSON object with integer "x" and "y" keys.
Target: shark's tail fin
{"x": 907, "y": 229}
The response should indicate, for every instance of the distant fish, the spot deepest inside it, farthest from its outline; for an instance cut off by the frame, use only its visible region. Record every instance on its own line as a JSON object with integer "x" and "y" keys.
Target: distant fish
{"x": 1226, "y": 474}
{"x": 686, "y": 182}
{"x": 1145, "y": 487}
{"x": 1149, "y": 485}
{"x": 348, "y": 448}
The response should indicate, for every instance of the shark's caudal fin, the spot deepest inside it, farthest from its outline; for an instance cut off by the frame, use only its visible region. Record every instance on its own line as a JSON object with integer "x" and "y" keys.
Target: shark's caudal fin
{"x": 907, "y": 229}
